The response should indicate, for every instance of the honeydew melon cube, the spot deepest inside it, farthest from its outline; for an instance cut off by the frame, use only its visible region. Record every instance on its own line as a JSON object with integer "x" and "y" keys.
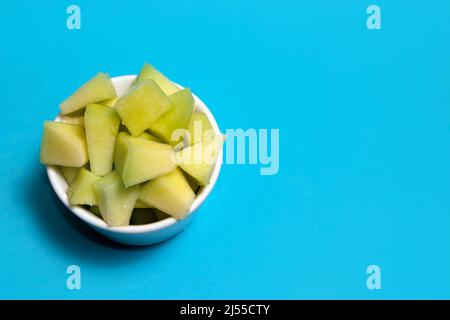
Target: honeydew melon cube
{"x": 63, "y": 144}
{"x": 101, "y": 125}
{"x": 170, "y": 193}
{"x": 96, "y": 89}
{"x": 149, "y": 72}
{"x": 176, "y": 118}
{"x": 199, "y": 129}
{"x": 69, "y": 173}
{"x": 115, "y": 202}
{"x": 81, "y": 191}
{"x": 142, "y": 106}
{"x": 198, "y": 160}
{"x": 138, "y": 160}
{"x": 143, "y": 216}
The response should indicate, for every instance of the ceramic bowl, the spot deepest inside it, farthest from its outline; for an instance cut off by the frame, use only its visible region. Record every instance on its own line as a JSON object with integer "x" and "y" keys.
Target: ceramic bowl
{"x": 138, "y": 234}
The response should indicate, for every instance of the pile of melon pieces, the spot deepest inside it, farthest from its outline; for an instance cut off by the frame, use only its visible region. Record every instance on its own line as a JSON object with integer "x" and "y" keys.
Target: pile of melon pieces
{"x": 134, "y": 159}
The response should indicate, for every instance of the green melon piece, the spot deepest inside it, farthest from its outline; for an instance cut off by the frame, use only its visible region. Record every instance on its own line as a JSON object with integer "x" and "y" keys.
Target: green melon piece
{"x": 96, "y": 89}
{"x": 109, "y": 102}
{"x": 69, "y": 173}
{"x": 115, "y": 202}
{"x": 198, "y": 160}
{"x": 170, "y": 193}
{"x": 199, "y": 129}
{"x": 63, "y": 144}
{"x": 138, "y": 160}
{"x": 143, "y": 216}
{"x": 176, "y": 118}
{"x": 149, "y": 72}
{"x": 102, "y": 125}
{"x": 81, "y": 191}
{"x": 150, "y": 137}
{"x": 142, "y": 106}
{"x": 141, "y": 205}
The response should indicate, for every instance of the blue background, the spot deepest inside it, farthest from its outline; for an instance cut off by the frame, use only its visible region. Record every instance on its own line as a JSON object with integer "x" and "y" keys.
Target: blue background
{"x": 364, "y": 119}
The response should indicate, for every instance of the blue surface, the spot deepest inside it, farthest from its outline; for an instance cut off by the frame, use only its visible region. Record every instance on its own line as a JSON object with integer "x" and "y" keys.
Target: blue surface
{"x": 364, "y": 119}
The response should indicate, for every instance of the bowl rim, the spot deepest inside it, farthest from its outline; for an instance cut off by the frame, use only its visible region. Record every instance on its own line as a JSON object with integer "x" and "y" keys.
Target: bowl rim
{"x": 59, "y": 183}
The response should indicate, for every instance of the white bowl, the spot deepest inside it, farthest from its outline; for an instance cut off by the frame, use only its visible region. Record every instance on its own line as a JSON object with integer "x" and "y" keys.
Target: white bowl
{"x": 140, "y": 234}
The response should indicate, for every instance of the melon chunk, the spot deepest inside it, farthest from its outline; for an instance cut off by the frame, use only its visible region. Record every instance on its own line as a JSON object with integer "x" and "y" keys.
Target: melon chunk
{"x": 176, "y": 118}
{"x": 149, "y": 72}
{"x": 115, "y": 202}
{"x": 170, "y": 193}
{"x": 198, "y": 160}
{"x": 69, "y": 173}
{"x": 142, "y": 106}
{"x": 81, "y": 191}
{"x": 101, "y": 125}
{"x": 96, "y": 89}
{"x": 138, "y": 160}
{"x": 199, "y": 129}
{"x": 63, "y": 144}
